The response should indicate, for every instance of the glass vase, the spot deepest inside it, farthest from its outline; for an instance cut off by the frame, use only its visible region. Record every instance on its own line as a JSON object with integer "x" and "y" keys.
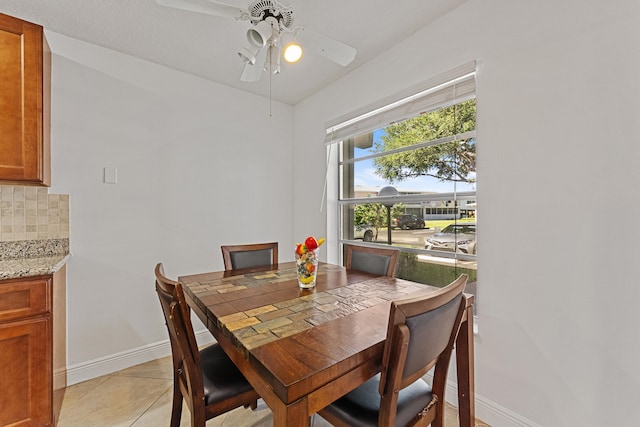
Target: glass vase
{"x": 307, "y": 268}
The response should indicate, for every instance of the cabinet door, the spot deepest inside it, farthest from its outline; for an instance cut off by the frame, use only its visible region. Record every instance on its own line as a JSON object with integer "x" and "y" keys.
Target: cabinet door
{"x": 25, "y": 372}
{"x": 24, "y": 149}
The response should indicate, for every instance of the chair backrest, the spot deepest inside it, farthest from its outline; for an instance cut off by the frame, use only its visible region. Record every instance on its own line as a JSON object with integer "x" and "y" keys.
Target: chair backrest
{"x": 184, "y": 348}
{"x": 421, "y": 334}
{"x": 165, "y": 288}
{"x": 382, "y": 261}
{"x": 252, "y": 255}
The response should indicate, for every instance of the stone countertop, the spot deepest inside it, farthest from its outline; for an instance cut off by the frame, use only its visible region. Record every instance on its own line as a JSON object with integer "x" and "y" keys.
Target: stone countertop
{"x": 30, "y": 267}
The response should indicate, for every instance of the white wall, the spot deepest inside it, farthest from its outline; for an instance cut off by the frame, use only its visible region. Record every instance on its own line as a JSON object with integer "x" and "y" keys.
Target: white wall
{"x": 558, "y": 92}
{"x": 199, "y": 165}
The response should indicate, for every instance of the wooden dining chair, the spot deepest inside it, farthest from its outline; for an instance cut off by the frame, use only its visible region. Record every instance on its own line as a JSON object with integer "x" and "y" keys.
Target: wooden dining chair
{"x": 206, "y": 379}
{"x": 382, "y": 261}
{"x": 420, "y": 335}
{"x": 252, "y": 255}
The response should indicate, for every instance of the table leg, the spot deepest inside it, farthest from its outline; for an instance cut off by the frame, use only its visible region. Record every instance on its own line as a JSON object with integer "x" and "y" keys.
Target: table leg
{"x": 464, "y": 365}
{"x": 293, "y": 415}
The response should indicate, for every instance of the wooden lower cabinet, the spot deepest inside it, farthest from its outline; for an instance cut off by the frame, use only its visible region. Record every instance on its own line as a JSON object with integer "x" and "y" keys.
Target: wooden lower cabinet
{"x": 29, "y": 355}
{"x": 25, "y": 373}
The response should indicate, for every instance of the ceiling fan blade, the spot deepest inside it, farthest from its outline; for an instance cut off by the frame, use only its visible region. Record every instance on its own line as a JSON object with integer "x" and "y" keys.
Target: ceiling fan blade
{"x": 252, "y": 73}
{"x": 325, "y": 46}
{"x": 209, "y": 7}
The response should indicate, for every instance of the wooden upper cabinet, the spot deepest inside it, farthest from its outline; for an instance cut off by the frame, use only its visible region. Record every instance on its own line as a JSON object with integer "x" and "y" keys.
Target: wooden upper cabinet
{"x": 25, "y": 87}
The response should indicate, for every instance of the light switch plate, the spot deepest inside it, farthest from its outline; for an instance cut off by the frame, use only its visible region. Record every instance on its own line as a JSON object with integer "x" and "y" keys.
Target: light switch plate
{"x": 110, "y": 175}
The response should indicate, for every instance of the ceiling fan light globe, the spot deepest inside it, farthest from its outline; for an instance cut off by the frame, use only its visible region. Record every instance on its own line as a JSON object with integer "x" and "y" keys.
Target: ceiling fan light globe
{"x": 259, "y": 34}
{"x": 247, "y": 55}
{"x": 292, "y": 53}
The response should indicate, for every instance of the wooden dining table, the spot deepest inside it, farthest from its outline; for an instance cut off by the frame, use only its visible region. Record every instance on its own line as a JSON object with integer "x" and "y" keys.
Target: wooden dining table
{"x": 302, "y": 349}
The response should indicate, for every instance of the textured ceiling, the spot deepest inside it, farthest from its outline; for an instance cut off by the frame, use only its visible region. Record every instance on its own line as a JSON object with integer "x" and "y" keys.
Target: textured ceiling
{"x": 206, "y": 46}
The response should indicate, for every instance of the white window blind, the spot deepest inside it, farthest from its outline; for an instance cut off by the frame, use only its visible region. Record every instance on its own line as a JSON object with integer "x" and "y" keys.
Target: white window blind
{"x": 449, "y": 88}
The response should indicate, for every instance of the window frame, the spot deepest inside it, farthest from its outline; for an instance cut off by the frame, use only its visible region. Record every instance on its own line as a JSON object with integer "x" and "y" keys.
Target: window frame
{"x": 405, "y": 105}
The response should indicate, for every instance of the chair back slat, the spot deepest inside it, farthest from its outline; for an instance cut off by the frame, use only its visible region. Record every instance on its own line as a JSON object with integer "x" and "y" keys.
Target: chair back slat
{"x": 433, "y": 327}
{"x": 246, "y": 259}
{"x": 371, "y": 263}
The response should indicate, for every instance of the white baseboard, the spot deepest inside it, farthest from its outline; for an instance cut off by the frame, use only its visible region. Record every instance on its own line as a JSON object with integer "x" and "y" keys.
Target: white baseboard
{"x": 488, "y": 411}
{"x": 500, "y": 416}
{"x": 59, "y": 378}
{"x": 115, "y": 362}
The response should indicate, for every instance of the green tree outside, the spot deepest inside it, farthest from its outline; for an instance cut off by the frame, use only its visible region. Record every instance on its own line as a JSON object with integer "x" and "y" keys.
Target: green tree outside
{"x": 375, "y": 215}
{"x": 451, "y": 161}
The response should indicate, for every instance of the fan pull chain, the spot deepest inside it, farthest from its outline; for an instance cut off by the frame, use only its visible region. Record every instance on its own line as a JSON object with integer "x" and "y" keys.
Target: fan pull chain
{"x": 270, "y": 77}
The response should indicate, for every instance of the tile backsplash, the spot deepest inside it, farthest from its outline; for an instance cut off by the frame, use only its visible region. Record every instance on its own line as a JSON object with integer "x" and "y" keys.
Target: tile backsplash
{"x": 31, "y": 213}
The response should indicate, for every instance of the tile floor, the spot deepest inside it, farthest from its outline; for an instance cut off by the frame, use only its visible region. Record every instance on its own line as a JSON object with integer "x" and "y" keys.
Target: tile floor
{"x": 140, "y": 396}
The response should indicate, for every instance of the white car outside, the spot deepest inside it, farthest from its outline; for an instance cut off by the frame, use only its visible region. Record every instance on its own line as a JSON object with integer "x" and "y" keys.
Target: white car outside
{"x": 364, "y": 232}
{"x": 459, "y": 238}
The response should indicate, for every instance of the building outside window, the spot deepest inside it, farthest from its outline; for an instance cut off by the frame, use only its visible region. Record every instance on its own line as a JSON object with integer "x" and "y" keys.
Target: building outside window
{"x": 423, "y": 145}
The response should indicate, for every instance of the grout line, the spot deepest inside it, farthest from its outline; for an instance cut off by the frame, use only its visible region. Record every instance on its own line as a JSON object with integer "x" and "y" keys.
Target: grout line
{"x": 96, "y": 386}
{"x": 152, "y": 403}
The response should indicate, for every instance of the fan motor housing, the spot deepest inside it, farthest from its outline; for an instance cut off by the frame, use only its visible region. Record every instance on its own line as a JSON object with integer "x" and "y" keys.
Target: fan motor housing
{"x": 263, "y": 9}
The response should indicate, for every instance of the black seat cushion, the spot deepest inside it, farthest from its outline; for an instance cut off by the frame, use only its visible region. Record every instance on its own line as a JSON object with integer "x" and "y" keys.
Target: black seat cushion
{"x": 221, "y": 378}
{"x": 360, "y": 408}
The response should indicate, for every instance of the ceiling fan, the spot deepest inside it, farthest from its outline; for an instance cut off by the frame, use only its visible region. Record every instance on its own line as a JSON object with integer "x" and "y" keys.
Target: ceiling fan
{"x": 271, "y": 30}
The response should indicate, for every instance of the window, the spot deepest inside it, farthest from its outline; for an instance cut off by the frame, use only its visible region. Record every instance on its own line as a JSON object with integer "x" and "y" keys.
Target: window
{"x": 423, "y": 144}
